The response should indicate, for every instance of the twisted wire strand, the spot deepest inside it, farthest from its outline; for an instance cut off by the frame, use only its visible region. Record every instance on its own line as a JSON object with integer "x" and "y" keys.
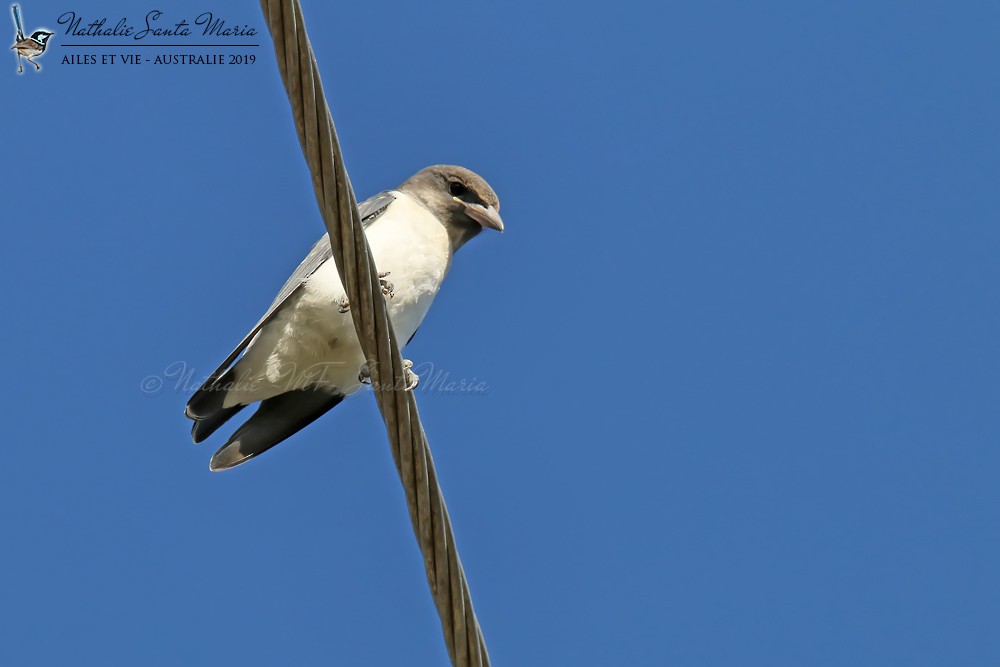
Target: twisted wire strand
{"x": 408, "y": 442}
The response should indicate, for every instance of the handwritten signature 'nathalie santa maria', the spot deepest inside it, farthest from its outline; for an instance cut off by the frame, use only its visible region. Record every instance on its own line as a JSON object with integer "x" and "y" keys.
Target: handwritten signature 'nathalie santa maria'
{"x": 210, "y": 26}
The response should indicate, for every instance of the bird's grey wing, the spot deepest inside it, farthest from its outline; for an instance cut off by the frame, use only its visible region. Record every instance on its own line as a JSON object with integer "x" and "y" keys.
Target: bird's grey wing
{"x": 370, "y": 210}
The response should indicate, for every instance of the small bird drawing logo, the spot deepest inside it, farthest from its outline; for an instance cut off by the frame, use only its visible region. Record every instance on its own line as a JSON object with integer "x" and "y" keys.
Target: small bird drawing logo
{"x": 28, "y": 47}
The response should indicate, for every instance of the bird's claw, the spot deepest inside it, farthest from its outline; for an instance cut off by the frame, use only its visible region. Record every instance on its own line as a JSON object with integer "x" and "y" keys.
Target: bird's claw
{"x": 344, "y": 305}
{"x": 386, "y": 285}
{"x": 410, "y": 379}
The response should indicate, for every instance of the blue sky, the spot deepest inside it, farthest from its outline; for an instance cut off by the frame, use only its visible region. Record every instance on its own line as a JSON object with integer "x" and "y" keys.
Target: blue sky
{"x": 739, "y": 340}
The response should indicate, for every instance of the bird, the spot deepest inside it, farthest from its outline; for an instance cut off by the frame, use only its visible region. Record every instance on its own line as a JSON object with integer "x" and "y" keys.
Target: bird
{"x": 303, "y": 356}
{"x": 31, "y": 47}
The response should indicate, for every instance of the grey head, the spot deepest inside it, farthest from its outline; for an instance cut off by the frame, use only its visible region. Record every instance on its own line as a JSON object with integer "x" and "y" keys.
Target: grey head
{"x": 461, "y": 199}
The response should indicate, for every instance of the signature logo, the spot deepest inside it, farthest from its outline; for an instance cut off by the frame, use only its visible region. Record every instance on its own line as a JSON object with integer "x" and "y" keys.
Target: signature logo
{"x": 28, "y": 47}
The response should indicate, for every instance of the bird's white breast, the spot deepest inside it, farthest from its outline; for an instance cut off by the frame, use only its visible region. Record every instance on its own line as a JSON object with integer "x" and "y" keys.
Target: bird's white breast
{"x": 309, "y": 341}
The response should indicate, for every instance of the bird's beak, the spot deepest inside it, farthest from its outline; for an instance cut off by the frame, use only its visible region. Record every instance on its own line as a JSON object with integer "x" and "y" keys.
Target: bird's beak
{"x": 486, "y": 216}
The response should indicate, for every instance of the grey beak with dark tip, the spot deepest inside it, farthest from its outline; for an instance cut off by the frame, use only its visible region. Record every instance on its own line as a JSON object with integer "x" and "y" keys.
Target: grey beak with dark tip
{"x": 486, "y": 216}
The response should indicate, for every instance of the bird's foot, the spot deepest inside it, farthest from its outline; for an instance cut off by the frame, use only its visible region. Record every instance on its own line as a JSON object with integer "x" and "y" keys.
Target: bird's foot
{"x": 386, "y": 285}
{"x": 20, "y": 69}
{"x": 344, "y": 304}
{"x": 411, "y": 379}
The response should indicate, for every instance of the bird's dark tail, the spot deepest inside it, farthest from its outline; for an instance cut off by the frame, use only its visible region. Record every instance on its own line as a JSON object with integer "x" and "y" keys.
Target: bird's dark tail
{"x": 207, "y": 402}
{"x": 17, "y": 22}
{"x": 275, "y": 420}
{"x": 206, "y": 407}
{"x": 203, "y": 428}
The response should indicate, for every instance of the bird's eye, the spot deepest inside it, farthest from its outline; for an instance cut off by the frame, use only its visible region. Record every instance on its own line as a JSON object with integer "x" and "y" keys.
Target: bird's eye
{"x": 457, "y": 189}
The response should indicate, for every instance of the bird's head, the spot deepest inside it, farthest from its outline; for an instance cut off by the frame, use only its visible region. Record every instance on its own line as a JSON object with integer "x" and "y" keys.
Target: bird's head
{"x": 41, "y": 36}
{"x": 461, "y": 199}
